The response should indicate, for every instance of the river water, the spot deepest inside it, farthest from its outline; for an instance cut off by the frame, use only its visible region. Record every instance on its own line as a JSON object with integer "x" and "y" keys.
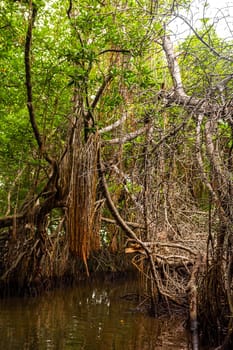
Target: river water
{"x": 92, "y": 316}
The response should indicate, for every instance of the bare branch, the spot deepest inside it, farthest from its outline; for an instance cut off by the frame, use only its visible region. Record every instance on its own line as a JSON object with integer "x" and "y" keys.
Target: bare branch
{"x": 170, "y": 245}
{"x": 120, "y": 221}
{"x": 199, "y": 157}
{"x": 178, "y": 95}
{"x": 173, "y": 66}
{"x": 125, "y": 178}
{"x": 114, "y": 125}
{"x": 18, "y": 175}
{"x": 127, "y": 137}
{"x": 171, "y": 133}
{"x": 70, "y": 9}
{"x": 115, "y": 50}
{"x": 211, "y": 48}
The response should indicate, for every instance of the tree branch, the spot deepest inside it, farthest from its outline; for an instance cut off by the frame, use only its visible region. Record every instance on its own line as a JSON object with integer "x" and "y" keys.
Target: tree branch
{"x": 30, "y": 106}
{"x": 171, "y": 133}
{"x": 114, "y": 50}
{"x": 101, "y": 90}
{"x": 173, "y": 66}
{"x": 114, "y": 125}
{"x": 27, "y": 60}
{"x": 178, "y": 95}
{"x": 127, "y": 137}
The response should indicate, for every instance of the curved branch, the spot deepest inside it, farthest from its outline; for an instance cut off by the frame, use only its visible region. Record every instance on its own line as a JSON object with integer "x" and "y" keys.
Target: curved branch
{"x": 114, "y": 50}
{"x": 114, "y": 125}
{"x": 115, "y": 213}
{"x": 70, "y": 9}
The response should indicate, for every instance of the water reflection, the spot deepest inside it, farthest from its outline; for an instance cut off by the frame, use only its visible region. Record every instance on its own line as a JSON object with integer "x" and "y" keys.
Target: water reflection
{"x": 90, "y": 317}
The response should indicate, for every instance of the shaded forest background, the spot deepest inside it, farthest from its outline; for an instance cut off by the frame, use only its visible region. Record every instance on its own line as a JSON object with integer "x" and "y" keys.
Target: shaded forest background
{"x": 116, "y": 150}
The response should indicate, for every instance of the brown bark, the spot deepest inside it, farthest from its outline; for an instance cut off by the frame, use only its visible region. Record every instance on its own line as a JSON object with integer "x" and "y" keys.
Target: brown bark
{"x": 193, "y": 303}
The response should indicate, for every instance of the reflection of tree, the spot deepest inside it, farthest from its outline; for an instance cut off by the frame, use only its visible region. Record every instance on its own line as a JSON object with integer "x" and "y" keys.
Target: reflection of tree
{"x": 84, "y": 317}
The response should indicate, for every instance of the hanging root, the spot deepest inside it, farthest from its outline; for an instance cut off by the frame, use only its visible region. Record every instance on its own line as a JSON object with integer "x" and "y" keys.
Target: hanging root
{"x": 83, "y": 219}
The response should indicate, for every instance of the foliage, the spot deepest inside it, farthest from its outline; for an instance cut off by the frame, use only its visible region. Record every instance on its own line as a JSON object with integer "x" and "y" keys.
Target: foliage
{"x": 208, "y": 68}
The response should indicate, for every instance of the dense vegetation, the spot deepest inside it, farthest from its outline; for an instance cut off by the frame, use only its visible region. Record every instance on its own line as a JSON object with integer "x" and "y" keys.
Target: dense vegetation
{"x": 115, "y": 143}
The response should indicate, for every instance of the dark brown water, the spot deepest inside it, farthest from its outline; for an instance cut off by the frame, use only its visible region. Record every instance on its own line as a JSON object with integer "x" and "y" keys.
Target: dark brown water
{"x": 92, "y": 316}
